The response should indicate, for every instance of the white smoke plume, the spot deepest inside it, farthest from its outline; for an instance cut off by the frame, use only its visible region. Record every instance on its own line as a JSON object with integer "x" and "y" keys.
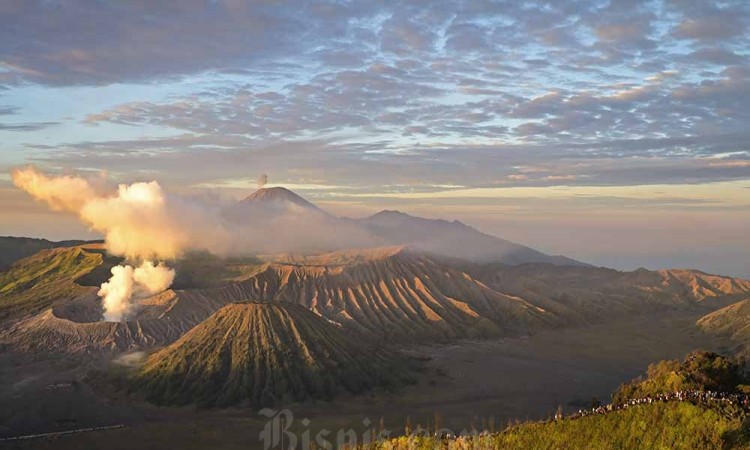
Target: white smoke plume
{"x": 63, "y": 193}
{"x": 140, "y": 222}
{"x": 128, "y": 285}
{"x": 145, "y": 224}
{"x": 117, "y": 293}
{"x": 262, "y": 180}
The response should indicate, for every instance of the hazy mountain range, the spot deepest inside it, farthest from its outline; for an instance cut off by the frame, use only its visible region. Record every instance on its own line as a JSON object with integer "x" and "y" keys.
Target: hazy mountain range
{"x": 288, "y": 222}
{"x": 400, "y": 280}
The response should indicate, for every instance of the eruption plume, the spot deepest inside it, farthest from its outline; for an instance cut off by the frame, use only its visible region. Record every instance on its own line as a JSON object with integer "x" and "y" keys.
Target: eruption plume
{"x": 128, "y": 284}
{"x": 64, "y": 193}
{"x": 262, "y": 180}
{"x": 140, "y": 222}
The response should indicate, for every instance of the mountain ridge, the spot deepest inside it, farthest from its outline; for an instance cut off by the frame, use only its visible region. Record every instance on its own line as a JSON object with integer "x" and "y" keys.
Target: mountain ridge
{"x": 15, "y": 248}
{"x": 288, "y": 217}
{"x": 453, "y": 239}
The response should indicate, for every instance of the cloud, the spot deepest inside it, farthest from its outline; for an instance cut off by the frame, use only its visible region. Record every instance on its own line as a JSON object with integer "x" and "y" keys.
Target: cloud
{"x": 715, "y": 55}
{"x": 73, "y": 42}
{"x": 378, "y": 96}
{"x": 710, "y": 28}
{"x": 430, "y": 92}
{"x": 194, "y": 160}
{"x": 26, "y": 126}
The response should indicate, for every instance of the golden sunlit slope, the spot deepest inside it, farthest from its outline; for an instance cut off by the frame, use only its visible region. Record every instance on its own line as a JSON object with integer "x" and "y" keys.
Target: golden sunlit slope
{"x": 263, "y": 353}
{"x": 701, "y": 286}
{"x": 586, "y": 293}
{"x": 387, "y": 292}
{"x": 45, "y": 279}
{"x": 398, "y": 294}
{"x": 13, "y": 249}
{"x": 732, "y": 321}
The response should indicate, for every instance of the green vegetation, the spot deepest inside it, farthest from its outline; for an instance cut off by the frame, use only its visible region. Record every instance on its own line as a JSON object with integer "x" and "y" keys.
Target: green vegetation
{"x": 44, "y": 280}
{"x": 13, "y": 249}
{"x": 667, "y": 426}
{"x": 700, "y": 371}
{"x": 689, "y": 425}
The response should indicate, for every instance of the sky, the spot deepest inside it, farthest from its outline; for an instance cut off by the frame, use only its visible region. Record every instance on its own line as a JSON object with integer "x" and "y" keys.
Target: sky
{"x": 615, "y": 132}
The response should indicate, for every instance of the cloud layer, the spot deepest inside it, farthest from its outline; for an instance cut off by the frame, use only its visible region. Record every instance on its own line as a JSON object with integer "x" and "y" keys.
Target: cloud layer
{"x": 435, "y": 92}
{"x": 355, "y": 99}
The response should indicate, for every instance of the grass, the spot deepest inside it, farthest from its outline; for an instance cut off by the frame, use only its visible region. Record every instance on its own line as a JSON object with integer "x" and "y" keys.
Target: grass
{"x": 702, "y": 371}
{"x": 663, "y": 426}
{"x": 660, "y": 425}
{"x": 43, "y": 280}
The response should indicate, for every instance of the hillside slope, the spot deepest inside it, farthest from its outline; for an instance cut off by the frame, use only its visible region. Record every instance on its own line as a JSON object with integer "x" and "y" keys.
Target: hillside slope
{"x": 277, "y": 199}
{"x": 396, "y": 294}
{"x": 44, "y": 280}
{"x": 732, "y": 321}
{"x": 278, "y": 220}
{"x": 49, "y": 303}
{"x": 260, "y": 354}
{"x": 453, "y": 239}
{"x": 580, "y": 294}
{"x": 698, "y": 403}
{"x": 13, "y": 248}
{"x": 391, "y": 293}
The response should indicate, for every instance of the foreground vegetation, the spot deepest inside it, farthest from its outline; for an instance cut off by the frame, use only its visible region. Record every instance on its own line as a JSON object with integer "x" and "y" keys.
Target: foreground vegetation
{"x": 658, "y": 425}
{"x": 701, "y": 371}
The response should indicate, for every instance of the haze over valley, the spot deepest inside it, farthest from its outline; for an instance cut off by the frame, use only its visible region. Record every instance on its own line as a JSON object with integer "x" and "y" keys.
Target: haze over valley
{"x": 324, "y": 308}
{"x": 238, "y": 224}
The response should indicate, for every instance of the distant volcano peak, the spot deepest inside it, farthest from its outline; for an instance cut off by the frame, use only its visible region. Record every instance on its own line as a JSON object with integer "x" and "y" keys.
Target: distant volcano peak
{"x": 277, "y": 195}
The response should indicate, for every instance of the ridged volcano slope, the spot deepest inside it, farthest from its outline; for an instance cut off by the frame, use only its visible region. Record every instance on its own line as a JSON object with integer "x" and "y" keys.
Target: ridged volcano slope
{"x": 261, "y": 354}
{"x": 48, "y": 303}
{"x": 389, "y": 292}
{"x": 393, "y": 293}
{"x": 583, "y": 294}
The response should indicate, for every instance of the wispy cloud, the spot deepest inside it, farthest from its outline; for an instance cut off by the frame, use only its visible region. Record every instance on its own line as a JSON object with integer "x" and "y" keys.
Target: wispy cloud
{"x": 370, "y": 98}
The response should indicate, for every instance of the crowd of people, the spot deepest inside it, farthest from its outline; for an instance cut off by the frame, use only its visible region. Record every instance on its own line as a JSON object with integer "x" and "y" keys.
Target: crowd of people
{"x": 708, "y": 398}
{"x": 704, "y": 398}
